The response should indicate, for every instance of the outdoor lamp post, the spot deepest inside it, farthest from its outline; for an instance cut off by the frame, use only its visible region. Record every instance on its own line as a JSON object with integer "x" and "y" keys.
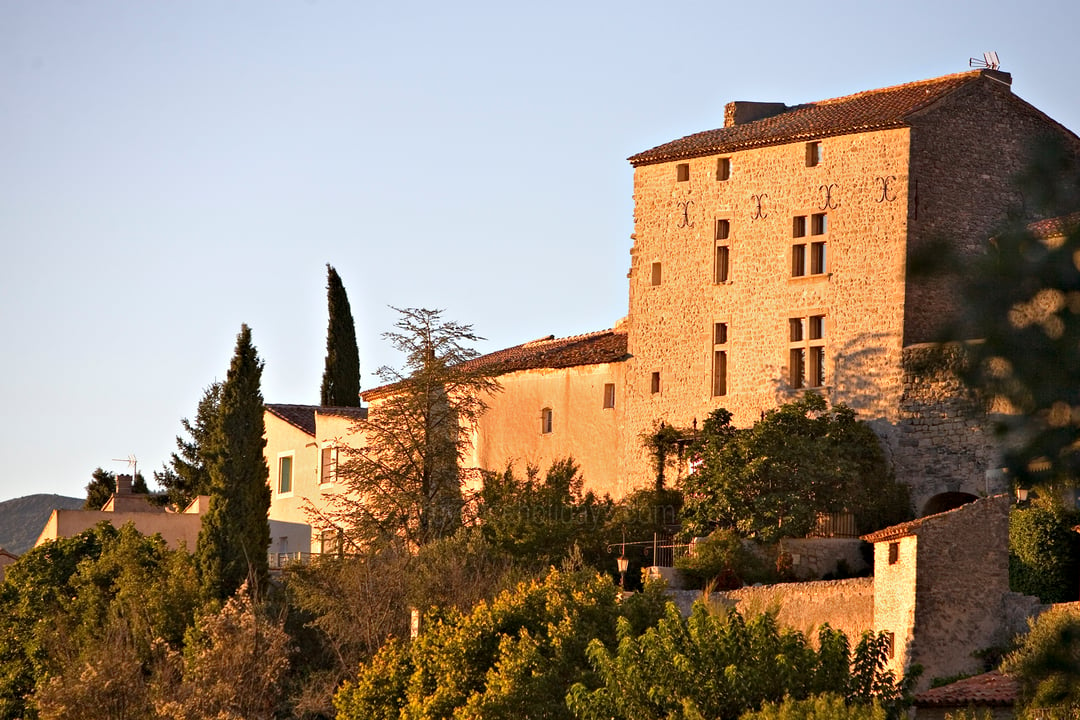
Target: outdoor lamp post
{"x": 623, "y": 563}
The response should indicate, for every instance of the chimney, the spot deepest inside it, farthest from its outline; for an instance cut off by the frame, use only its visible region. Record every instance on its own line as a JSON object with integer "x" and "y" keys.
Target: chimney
{"x": 742, "y": 111}
{"x": 123, "y": 484}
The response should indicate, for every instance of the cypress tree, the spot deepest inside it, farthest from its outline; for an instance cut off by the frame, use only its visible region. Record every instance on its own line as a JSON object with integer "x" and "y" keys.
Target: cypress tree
{"x": 235, "y": 533}
{"x": 341, "y": 378}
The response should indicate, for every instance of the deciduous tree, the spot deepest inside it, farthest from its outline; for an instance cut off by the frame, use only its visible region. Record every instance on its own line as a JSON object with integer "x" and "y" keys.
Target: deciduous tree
{"x": 341, "y": 378}
{"x": 770, "y": 480}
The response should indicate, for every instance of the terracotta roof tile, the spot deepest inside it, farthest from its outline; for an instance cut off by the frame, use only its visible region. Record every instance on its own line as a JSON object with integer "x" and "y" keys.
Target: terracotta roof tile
{"x": 302, "y": 417}
{"x": 990, "y": 689}
{"x": 595, "y": 348}
{"x": 1056, "y": 226}
{"x": 862, "y": 112}
{"x": 905, "y": 529}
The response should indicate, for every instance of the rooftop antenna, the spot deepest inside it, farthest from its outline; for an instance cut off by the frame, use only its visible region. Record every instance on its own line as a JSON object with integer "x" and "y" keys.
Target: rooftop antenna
{"x": 132, "y": 463}
{"x": 989, "y": 61}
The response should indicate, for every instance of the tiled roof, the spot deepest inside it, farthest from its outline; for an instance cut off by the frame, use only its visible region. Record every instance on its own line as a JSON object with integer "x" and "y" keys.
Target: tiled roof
{"x": 990, "y": 689}
{"x": 303, "y": 416}
{"x": 905, "y": 529}
{"x": 605, "y": 346}
{"x": 1053, "y": 227}
{"x": 862, "y": 112}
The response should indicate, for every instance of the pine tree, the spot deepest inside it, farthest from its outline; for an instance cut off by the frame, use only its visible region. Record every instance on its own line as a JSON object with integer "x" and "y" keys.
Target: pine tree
{"x": 341, "y": 379}
{"x": 235, "y": 534}
{"x": 187, "y": 476}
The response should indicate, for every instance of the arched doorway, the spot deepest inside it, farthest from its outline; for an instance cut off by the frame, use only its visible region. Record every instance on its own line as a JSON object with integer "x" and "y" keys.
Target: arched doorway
{"x": 946, "y": 501}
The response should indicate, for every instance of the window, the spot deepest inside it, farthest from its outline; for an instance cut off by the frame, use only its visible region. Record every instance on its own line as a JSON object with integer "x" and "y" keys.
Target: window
{"x": 719, "y": 359}
{"x": 722, "y": 264}
{"x": 654, "y": 383}
{"x": 330, "y": 542}
{"x": 609, "y": 395}
{"x": 894, "y": 553}
{"x": 655, "y": 278}
{"x": 682, "y": 172}
{"x": 723, "y": 168}
{"x": 285, "y": 474}
{"x": 806, "y": 351}
{"x": 808, "y": 258}
{"x": 814, "y": 154}
{"x": 890, "y": 645}
{"x": 328, "y": 465}
{"x": 545, "y": 421}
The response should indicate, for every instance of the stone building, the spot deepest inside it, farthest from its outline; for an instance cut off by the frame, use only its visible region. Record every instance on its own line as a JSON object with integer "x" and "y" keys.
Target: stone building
{"x": 941, "y": 589}
{"x": 772, "y": 255}
{"x": 769, "y": 256}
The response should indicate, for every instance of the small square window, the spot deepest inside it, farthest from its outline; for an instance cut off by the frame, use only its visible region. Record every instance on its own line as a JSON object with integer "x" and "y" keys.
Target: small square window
{"x": 798, "y": 226}
{"x": 655, "y": 278}
{"x": 814, "y": 154}
{"x": 894, "y": 553}
{"x": 545, "y": 421}
{"x": 654, "y": 383}
{"x": 609, "y": 395}
{"x": 720, "y": 333}
{"x": 682, "y": 172}
{"x": 818, "y": 224}
{"x": 723, "y": 168}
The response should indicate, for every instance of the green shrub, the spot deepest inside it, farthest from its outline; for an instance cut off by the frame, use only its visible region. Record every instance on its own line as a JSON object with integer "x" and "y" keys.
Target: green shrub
{"x": 722, "y": 561}
{"x": 1043, "y": 551}
{"x": 819, "y": 707}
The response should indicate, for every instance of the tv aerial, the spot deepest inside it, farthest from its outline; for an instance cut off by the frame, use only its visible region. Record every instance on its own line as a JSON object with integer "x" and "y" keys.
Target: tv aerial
{"x": 132, "y": 462}
{"x": 989, "y": 61}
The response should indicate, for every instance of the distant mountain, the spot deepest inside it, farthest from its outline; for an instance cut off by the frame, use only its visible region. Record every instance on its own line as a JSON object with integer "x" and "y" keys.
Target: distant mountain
{"x": 22, "y": 519}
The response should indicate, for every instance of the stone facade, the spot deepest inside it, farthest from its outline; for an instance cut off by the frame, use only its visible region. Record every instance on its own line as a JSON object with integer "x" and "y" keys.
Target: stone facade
{"x": 846, "y": 605}
{"x": 938, "y": 170}
{"x": 942, "y": 588}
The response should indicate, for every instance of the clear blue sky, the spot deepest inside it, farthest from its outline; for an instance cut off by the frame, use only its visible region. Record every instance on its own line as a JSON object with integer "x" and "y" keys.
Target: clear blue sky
{"x": 169, "y": 171}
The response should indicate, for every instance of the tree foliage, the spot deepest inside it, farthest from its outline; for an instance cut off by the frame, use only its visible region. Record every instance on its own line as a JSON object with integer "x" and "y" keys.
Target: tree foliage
{"x": 514, "y": 657}
{"x": 1047, "y": 663}
{"x": 341, "y": 378}
{"x": 1044, "y": 551}
{"x": 382, "y": 584}
{"x": 235, "y": 534}
{"x": 187, "y": 474}
{"x": 771, "y": 480}
{"x": 80, "y": 619}
{"x": 102, "y": 485}
{"x": 1024, "y": 308}
{"x": 540, "y": 520}
{"x": 720, "y": 666}
{"x": 404, "y": 484}
{"x": 827, "y": 706}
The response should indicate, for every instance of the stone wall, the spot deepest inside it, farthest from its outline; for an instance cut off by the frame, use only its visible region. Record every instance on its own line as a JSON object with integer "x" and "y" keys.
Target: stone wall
{"x": 846, "y": 605}
{"x": 812, "y": 558}
{"x": 673, "y": 312}
{"x": 961, "y": 587}
{"x": 943, "y": 441}
{"x": 966, "y": 153}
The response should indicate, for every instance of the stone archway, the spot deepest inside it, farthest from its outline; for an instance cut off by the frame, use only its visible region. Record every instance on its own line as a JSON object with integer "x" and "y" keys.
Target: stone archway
{"x": 946, "y": 501}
